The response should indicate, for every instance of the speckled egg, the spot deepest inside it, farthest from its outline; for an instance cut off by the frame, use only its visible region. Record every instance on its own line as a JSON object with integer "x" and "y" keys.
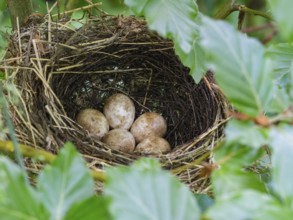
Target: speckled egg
{"x": 119, "y": 111}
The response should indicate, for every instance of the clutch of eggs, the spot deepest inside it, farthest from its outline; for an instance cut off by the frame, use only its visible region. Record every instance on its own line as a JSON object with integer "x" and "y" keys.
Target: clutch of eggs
{"x": 147, "y": 131}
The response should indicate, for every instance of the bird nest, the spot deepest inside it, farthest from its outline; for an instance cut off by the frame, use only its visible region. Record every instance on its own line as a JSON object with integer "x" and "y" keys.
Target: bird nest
{"x": 60, "y": 70}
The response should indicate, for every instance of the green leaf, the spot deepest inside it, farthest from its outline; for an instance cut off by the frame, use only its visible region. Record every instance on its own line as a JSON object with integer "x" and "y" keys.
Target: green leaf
{"x": 246, "y": 133}
{"x": 291, "y": 81}
{"x": 282, "y": 12}
{"x": 282, "y": 54}
{"x": 275, "y": 212}
{"x": 3, "y": 5}
{"x": 248, "y": 204}
{"x": 232, "y": 158}
{"x": 172, "y": 19}
{"x": 237, "y": 155}
{"x": 228, "y": 180}
{"x": 281, "y": 101}
{"x": 240, "y": 66}
{"x": 65, "y": 182}
{"x": 282, "y": 162}
{"x": 137, "y": 6}
{"x": 175, "y": 20}
{"x": 204, "y": 201}
{"x": 93, "y": 208}
{"x": 18, "y": 200}
{"x": 194, "y": 60}
{"x": 231, "y": 177}
{"x": 144, "y": 191}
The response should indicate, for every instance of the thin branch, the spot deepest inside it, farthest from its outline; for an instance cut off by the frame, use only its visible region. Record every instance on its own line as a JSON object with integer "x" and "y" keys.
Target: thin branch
{"x": 43, "y": 156}
{"x": 27, "y": 151}
{"x": 229, "y": 8}
{"x": 241, "y": 17}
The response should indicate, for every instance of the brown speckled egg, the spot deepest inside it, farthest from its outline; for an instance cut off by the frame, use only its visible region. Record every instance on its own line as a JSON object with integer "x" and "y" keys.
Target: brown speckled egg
{"x": 147, "y": 124}
{"x": 120, "y": 139}
{"x": 153, "y": 145}
{"x": 94, "y": 122}
{"x": 119, "y": 111}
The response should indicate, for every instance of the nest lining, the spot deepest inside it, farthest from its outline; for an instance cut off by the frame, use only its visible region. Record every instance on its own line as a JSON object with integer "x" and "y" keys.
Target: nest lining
{"x": 62, "y": 70}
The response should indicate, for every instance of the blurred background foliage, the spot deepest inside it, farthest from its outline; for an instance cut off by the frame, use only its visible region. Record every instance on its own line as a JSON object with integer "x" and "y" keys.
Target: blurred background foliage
{"x": 115, "y": 7}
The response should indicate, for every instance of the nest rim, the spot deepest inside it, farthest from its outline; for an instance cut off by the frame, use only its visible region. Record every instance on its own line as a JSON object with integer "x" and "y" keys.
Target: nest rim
{"x": 183, "y": 160}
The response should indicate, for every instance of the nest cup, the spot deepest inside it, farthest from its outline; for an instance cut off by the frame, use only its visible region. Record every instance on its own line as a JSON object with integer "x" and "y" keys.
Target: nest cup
{"x": 62, "y": 70}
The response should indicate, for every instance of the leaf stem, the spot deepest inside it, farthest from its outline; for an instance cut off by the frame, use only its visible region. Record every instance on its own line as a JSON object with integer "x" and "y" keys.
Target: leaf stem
{"x": 229, "y": 8}
{"x": 43, "y": 156}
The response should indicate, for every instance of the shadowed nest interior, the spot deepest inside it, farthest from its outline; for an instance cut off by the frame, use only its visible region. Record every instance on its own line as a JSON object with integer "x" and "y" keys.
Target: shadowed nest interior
{"x": 60, "y": 70}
